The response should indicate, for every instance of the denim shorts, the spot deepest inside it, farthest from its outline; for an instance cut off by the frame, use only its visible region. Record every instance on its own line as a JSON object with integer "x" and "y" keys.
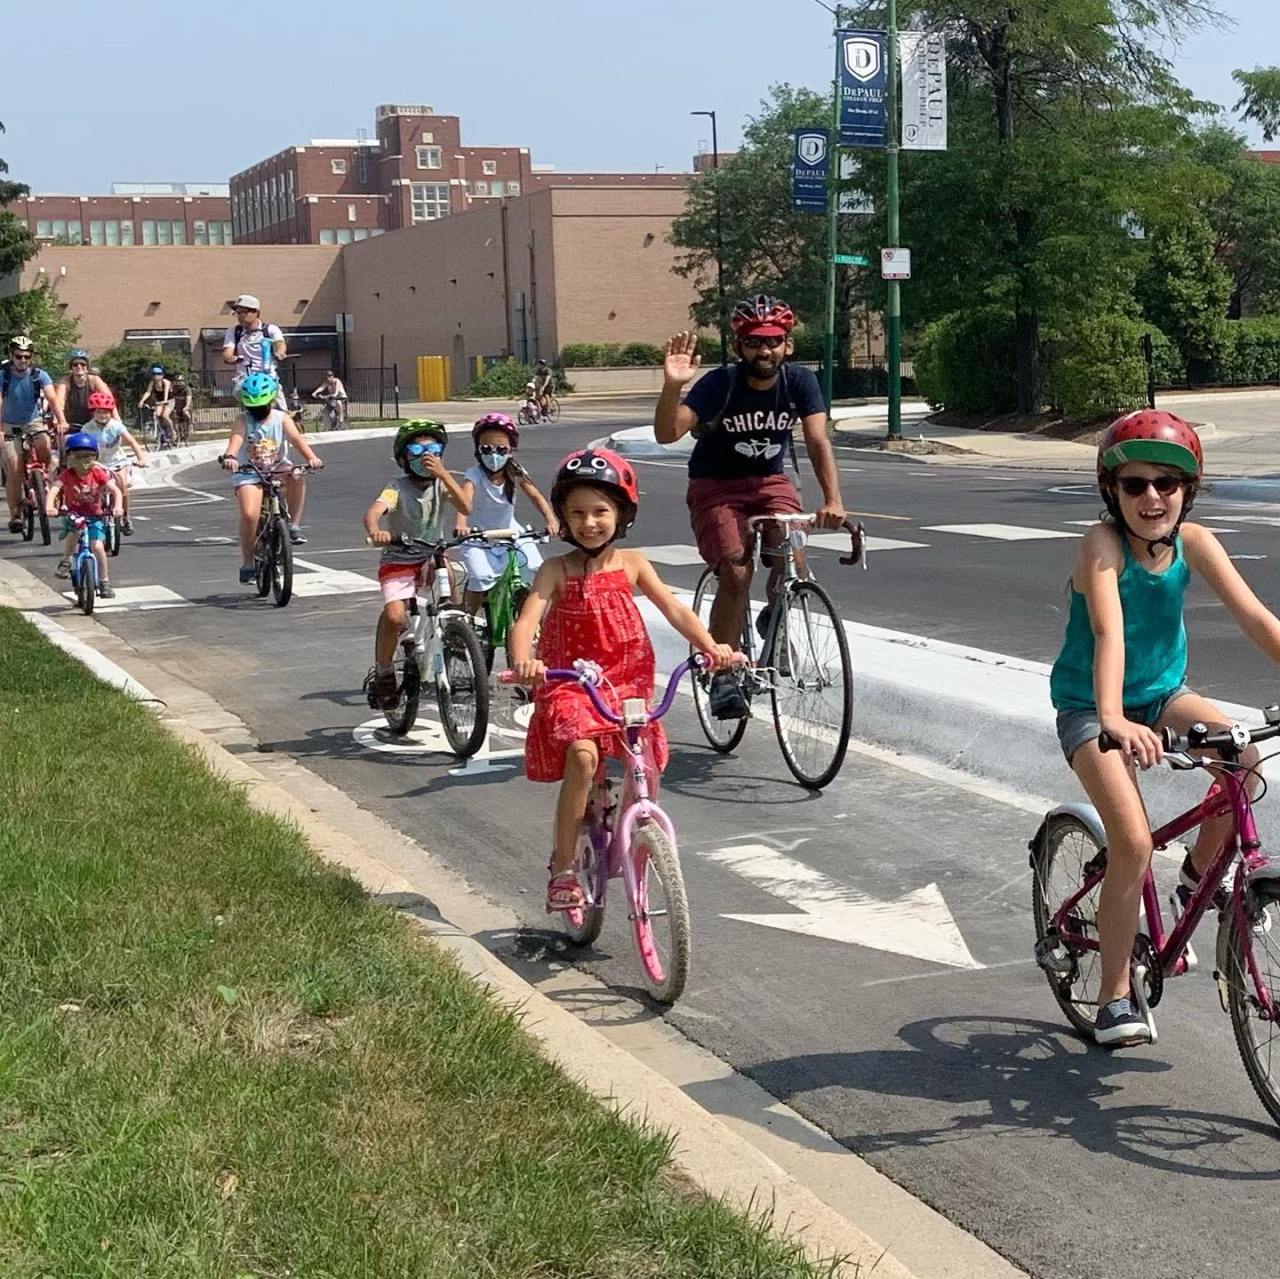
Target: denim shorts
{"x": 1076, "y": 727}
{"x": 97, "y": 527}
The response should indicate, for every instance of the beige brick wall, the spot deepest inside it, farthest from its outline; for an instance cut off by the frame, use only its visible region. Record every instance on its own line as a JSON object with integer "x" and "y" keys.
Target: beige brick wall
{"x": 171, "y": 287}
{"x": 613, "y": 266}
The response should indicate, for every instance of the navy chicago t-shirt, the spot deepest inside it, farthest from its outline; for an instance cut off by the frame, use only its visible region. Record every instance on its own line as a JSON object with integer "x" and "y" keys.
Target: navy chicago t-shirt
{"x": 751, "y": 437}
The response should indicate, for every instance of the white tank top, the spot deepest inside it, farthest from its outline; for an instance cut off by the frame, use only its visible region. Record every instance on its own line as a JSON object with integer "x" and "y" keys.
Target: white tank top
{"x": 489, "y": 505}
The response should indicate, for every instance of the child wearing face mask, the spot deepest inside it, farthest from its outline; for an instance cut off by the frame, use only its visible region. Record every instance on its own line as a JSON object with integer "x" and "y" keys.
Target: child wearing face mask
{"x": 86, "y": 488}
{"x": 413, "y": 506}
{"x": 490, "y": 487}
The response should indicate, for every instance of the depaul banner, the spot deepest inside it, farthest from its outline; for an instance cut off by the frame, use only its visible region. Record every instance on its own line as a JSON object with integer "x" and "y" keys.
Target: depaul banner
{"x": 809, "y": 160}
{"x": 861, "y": 72}
{"x": 923, "y": 56}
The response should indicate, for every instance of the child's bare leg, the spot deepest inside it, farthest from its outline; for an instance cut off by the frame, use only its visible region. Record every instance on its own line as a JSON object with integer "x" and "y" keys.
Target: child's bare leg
{"x": 100, "y": 554}
{"x": 391, "y": 624}
{"x": 581, "y": 761}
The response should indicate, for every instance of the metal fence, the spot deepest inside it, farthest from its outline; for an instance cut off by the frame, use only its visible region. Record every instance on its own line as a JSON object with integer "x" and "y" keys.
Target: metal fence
{"x": 372, "y": 393}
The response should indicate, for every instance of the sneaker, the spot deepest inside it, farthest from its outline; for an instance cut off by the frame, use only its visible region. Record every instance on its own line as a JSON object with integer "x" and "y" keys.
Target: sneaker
{"x": 762, "y": 620}
{"x": 727, "y": 700}
{"x": 381, "y": 690}
{"x": 15, "y": 526}
{"x": 126, "y": 527}
{"x": 1189, "y": 881}
{"x": 296, "y": 535}
{"x": 63, "y": 569}
{"x": 1120, "y": 1025}
{"x": 106, "y": 591}
{"x": 248, "y": 574}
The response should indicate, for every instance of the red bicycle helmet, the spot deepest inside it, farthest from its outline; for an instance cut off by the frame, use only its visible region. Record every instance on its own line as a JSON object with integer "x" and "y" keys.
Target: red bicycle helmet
{"x": 496, "y": 422}
{"x": 1150, "y": 435}
{"x": 762, "y": 316}
{"x": 102, "y": 400}
{"x": 601, "y": 468}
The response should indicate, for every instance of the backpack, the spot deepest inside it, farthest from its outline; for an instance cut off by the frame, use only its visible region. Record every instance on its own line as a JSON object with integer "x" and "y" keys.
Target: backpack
{"x": 791, "y": 409}
{"x": 8, "y": 378}
{"x": 240, "y": 332}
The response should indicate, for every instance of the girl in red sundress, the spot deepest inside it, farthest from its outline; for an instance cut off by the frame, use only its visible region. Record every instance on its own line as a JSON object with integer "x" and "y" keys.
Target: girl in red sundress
{"x": 590, "y": 612}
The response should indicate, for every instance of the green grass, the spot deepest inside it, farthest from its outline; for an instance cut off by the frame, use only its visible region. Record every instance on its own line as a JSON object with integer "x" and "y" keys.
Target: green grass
{"x": 218, "y": 1059}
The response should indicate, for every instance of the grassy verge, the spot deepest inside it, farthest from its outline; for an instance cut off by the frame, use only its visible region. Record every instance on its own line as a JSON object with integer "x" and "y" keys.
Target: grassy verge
{"x": 218, "y": 1059}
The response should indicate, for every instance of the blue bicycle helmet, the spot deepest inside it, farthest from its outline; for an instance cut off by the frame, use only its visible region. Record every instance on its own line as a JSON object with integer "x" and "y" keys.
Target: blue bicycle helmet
{"x": 78, "y": 353}
{"x": 80, "y": 441}
{"x": 258, "y": 389}
{"x": 158, "y": 370}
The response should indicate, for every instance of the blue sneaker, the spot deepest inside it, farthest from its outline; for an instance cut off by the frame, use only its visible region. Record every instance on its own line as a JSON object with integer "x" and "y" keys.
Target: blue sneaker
{"x": 1120, "y": 1025}
{"x": 248, "y": 574}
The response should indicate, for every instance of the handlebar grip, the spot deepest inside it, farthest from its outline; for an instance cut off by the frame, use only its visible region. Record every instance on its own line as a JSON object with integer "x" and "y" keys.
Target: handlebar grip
{"x": 1107, "y": 743}
{"x": 508, "y": 677}
{"x": 1169, "y": 739}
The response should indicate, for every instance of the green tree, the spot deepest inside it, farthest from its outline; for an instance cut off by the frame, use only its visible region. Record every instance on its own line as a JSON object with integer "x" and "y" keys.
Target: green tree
{"x": 38, "y": 313}
{"x": 17, "y": 244}
{"x": 1260, "y": 98}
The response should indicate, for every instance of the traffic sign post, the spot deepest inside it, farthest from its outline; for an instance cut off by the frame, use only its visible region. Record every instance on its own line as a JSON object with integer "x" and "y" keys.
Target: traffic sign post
{"x": 895, "y": 264}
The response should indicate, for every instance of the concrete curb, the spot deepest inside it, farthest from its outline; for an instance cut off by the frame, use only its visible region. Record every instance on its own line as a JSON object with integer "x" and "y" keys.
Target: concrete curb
{"x": 721, "y": 1155}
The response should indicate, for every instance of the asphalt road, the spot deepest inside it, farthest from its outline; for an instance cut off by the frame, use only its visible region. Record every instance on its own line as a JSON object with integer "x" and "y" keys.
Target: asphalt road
{"x": 957, "y": 1079}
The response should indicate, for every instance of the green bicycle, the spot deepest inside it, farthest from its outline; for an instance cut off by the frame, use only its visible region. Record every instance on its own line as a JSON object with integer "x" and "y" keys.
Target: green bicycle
{"x": 506, "y": 597}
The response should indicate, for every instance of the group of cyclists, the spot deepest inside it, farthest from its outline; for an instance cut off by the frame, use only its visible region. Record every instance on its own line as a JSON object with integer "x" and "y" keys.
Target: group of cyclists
{"x": 1120, "y": 673}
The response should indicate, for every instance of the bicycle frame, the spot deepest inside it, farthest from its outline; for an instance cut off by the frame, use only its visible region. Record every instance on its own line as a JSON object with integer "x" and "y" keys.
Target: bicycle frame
{"x": 1227, "y": 795}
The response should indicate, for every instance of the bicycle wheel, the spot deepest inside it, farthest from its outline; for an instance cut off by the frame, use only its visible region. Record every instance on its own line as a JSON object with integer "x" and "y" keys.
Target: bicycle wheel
{"x": 583, "y": 926}
{"x": 813, "y": 700}
{"x": 281, "y": 563}
{"x": 523, "y": 418}
{"x": 87, "y": 586}
{"x": 553, "y": 410}
{"x": 722, "y": 734}
{"x": 1257, "y": 1037}
{"x": 28, "y": 516}
{"x": 42, "y": 515}
{"x": 111, "y": 535}
{"x": 660, "y": 914}
{"x": 1065, "y": 856}
{"x": 463, "y": 693}
{"x": 263, "y": 567}
{"x": 402, "y": 717}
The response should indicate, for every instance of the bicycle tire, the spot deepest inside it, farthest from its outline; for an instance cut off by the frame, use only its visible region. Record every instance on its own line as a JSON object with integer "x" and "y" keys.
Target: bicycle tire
{"x": 810, "y": 644}
{"x": 466, "y": 676}
{"x": 583, "y": 926}
{"x": 87, "y": 588}
{"x": 1077, "y": 977}
{"x": 723, "y": 735}
{"x": 553, "y": 410}
{"x": 523, "y": 417}
{"x": 263, "y": 569}
{"x": 111, "y": 535}
{"x": 42, "y": 515}
{"x": 1261, "y": 1063}
{"x": 402, "y": 717}
{"x": 28, "y": 516}
{"x": 281, "y": 563}
{"x": 663, "y": 979}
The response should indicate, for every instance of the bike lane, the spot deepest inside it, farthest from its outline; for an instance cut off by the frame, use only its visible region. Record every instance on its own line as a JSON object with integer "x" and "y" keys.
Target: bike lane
{"x": 891, "y": 999}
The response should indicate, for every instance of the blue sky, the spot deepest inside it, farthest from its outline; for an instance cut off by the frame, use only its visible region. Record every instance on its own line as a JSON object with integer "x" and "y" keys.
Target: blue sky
{"x": 585, "y": 84}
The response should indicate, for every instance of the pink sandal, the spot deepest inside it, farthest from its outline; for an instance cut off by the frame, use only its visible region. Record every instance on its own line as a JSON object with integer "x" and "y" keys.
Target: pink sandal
{"x": 564, "y": 892}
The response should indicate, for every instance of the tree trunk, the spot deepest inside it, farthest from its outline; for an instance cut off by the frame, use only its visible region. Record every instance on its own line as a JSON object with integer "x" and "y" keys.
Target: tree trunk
{"x": 1027, "y": 342}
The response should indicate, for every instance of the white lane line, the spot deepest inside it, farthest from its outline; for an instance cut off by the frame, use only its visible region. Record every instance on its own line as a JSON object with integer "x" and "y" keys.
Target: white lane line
{"x": 675, "y": 556}
{"x": 321, "y": 579}
{"x": 1001, "y": 532}
{"x": 347, "y": 550}
{"x": 214, "y": 541}
{"x": 840, "y": 542}
{"x": 137, "y": 599}
{"x": 180, "y": 528}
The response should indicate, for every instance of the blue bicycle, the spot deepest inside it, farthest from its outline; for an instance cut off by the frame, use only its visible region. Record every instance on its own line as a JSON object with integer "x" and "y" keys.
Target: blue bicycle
{"x": 84, "y": 567}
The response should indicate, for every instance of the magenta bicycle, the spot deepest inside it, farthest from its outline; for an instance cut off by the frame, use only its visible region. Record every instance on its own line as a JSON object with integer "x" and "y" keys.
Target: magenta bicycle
{"x": 1069, "y": 860}
{"x": 631, "y": 838}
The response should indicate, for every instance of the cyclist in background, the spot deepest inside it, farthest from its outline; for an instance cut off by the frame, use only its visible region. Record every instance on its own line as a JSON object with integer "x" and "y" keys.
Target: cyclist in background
{"x": 333, "y": 395}
{"x": 181, "y": 404}
{"x": 73, "y": 391}
{"x": 744, "y": 417}
{"x": 112, "y": 437}
{"x": 26, "y": 395}
{"x": 253, "y": 347}
{"x": 159, "y": 394}
{"x": 542, "y": 376}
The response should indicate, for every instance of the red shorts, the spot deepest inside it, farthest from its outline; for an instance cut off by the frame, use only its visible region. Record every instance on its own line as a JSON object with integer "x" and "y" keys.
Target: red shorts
{"x": 719, "y": 510}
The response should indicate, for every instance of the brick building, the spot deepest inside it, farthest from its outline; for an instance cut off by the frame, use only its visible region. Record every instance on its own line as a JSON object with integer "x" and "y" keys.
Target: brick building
{"x": 135, "y": 213}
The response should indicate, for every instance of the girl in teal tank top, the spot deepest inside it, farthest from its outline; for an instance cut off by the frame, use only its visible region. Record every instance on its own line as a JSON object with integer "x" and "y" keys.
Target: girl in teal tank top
{"x": 1123, "y": 664}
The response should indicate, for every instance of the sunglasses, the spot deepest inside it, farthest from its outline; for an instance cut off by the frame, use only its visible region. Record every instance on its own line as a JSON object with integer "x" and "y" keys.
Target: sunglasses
{"x": 20, "y": 355}
{"x": 433, "y": 448}
{"x": 495, "y": 450}
{"x": 754, "y": 344}
{"x": 1137, "y": 485}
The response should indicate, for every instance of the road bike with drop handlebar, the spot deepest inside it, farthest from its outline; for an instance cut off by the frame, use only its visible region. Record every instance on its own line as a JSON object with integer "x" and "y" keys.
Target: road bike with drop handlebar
{"x": 1069, "y": 861}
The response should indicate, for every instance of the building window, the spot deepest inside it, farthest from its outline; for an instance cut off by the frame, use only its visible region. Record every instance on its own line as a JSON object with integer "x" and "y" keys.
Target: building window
{"x": 179, "y": 233}
{"x": 488, "y": 167}
{"x": 428, "y": 201}
{"x": 66, "y": 232}
{"x": 360, "y": 233}
{"x": 328, "y": 236}
{"x": 44, "y": 228}
{"x": 126, "y": 232}
{"x": 113, "y": 231}
{"x": 513, "y": 188}
{"x": 226, "y": 231}
{"x": 344, "y": 235}
{"x": 164, "y": 229}
{"x": 428, "y": 157}
{"x": 377, "y": 230}
{"x": 337, "y": 166}
{"x": 351, "y": 212}
{"x": 148, "y": 232}
{"x": 200, "y": 232}
{"x": 479, "y": 188}
{"x": 428, "y": 137}
{"x": 97, "y": 233}
{"x": 495, "y": 188}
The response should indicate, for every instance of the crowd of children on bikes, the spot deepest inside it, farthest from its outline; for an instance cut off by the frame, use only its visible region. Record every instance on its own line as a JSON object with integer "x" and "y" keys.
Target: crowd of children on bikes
{"x": 1118, "y": 682}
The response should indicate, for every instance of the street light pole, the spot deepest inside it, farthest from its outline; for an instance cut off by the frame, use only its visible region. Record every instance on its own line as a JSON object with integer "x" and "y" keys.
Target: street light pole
{"x": 893, "y": 309}
{"x": 833, "y": 222}
{"x": 720, "y": 309}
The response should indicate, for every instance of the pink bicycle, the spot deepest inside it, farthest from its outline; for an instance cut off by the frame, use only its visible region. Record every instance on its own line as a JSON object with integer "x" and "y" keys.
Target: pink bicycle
{"x": 634, "y": 840}
{"x": 1069, "y": 860}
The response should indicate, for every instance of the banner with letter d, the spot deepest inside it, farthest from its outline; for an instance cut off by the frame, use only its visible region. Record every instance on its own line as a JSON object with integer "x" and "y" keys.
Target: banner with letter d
{"x": 810, "y": 158}
{"x": 923, "y": 57}
{"x": 862, "y": 74}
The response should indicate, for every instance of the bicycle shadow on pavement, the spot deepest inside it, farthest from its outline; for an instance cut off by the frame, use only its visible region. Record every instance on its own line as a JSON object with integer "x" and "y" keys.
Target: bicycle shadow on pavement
{"x": 697, "y": 772}
{"x": 1009, "y": 1077}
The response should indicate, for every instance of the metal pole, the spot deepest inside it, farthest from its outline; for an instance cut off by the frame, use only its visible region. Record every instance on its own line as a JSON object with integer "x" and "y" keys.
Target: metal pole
{"x": 382, "y": 371}
{"x": 395, "y": 385}
{"x": 893, "y": 310}
{"x": 721, "y": 318}
{"x": 833, "y": 177}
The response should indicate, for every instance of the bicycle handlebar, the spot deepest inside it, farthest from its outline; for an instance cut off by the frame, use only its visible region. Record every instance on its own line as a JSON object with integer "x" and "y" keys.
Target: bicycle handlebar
{"x": 855, "y": 528}
{"x": 1198, "y": 737}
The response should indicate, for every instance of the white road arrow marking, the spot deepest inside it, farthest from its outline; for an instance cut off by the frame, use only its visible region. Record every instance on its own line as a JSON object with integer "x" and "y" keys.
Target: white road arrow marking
{"x": 918, "y": 924}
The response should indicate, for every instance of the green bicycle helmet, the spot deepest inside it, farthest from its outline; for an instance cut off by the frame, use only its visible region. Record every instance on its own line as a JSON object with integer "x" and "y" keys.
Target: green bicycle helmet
{"x": 411, "y": 430}
{"x": 258, "y": 389}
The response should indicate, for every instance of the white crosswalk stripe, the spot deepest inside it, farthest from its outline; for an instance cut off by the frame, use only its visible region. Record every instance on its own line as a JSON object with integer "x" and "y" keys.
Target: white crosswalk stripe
{"x": 1000, "y": 532}
{"x": 137, "y": 599}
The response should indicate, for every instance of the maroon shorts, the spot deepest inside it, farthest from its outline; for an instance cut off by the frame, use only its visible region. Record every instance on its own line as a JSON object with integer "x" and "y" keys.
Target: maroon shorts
{"x": 719, "y": 510}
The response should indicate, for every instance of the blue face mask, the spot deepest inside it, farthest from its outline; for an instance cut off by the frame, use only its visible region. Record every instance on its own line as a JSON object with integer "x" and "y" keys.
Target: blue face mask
{"x": 417, "y": 453}
{"x": 494, "y": 459}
